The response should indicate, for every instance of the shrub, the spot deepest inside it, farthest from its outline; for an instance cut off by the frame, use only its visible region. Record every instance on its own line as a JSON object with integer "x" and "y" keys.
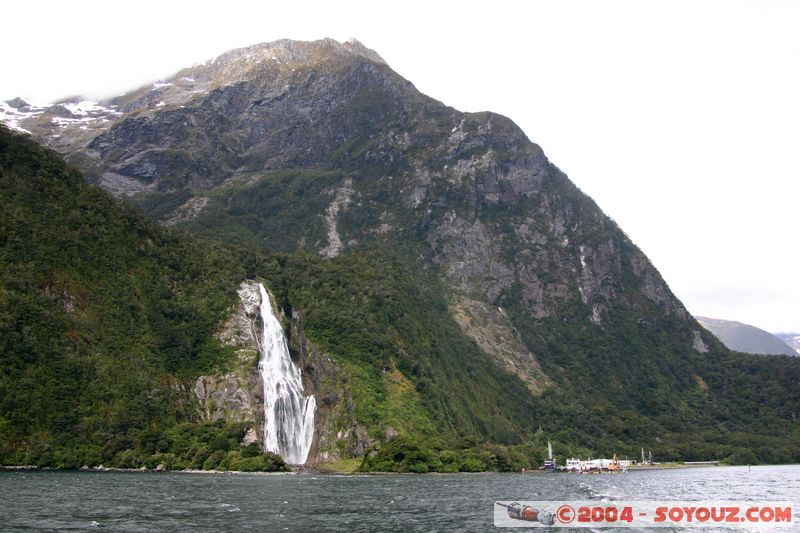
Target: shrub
{"x": 473, "y": 464}
{"x": 213, "y": 460}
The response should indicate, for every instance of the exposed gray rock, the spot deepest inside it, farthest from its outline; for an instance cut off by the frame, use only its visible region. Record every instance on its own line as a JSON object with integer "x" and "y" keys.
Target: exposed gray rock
{"x": 493, "y": 332}
{"x": 699, "y": 344}
{"x": 250, "y": 436}
{"x": 120, "y": 185}
{"x": 17, "y": 103}
{"x": 339, "y": 203}
{"x": 390, "y": 433}
{"x": 187, "y": 211}
{"x": 237, "y": 395}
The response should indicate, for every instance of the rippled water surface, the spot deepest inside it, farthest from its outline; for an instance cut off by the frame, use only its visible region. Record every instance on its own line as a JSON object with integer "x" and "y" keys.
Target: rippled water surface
{"x": 146, "y": 501}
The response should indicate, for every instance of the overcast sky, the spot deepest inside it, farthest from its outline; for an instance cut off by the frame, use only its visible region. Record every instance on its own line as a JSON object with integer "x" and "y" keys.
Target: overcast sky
{"x": 681, "y": 119}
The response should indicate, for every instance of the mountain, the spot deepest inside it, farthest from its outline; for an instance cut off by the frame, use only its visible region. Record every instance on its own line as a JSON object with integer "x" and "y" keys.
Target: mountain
{"x": 745, "y": 338}
{"x": 791, "y": 339}
{"x": 440, "y": 277}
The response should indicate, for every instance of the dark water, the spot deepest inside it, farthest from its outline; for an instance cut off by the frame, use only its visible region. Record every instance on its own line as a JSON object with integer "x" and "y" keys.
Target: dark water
{"x": 103, "y": 501}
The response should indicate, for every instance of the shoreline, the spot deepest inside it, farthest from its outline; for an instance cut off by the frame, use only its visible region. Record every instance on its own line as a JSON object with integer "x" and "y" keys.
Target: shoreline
{"x": 134, "y": 470}
{"x": 327, "y": 472}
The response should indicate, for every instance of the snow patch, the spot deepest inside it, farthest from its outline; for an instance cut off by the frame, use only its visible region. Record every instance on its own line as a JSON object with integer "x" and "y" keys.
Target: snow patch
{"x": 159, "y": 85}
{"x": 84, "y": 108}
{"x": 88, "y": 109}
{"x": 62, "y": 121}
{"x": 11, "y": 117}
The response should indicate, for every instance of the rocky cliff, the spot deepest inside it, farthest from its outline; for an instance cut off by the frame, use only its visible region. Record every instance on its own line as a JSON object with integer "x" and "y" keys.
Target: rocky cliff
{"x": 235, "y": 393}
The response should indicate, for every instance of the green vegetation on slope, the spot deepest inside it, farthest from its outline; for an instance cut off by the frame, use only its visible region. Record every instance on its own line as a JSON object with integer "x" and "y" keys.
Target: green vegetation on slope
{"x": 102, "y": 316}
{"x": 636, "y": 382}
{"x": 277, "y": 210}
{"x": 390, "y": 327}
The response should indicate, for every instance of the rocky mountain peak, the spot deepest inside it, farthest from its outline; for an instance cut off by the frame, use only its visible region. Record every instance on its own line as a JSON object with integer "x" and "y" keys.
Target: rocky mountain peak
{"x": 291, "y": 52}
{"x": 273, "y": 64}
{"x": 17, "y": 103}
{"x": 460, "y": 269}
{"x": 356, "y": 47}
{"x": 281, "y": 55}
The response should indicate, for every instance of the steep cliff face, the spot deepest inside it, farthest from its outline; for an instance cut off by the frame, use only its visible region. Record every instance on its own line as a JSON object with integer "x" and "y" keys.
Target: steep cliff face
{"x": 236, "y": 393}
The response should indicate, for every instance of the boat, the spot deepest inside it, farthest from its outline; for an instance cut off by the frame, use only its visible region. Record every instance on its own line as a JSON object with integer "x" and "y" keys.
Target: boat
{"x": 549, "y": 463}
{"x": 589, "y": 466}
{"x": 573, "y": 465}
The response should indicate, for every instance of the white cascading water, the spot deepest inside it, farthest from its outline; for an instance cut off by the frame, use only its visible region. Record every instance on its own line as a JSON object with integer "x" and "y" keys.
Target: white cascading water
{"x": 289, "y": 415}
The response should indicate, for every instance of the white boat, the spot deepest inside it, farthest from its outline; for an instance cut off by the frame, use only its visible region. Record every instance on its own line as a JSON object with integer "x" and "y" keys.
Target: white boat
{"x": 550, "y": 462}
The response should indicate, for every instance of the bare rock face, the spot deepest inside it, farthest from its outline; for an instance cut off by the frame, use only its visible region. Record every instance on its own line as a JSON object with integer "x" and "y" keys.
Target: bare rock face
{"x": 493, "y": 332}
{"x": 187, "y": 211}
{"x": 339, "y": 203}
{"x": 699, "y": 344}
{"x": 237, "y": 395}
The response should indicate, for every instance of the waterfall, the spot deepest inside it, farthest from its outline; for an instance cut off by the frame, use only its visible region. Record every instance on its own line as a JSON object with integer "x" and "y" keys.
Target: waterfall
{"x": 289, "y": 415}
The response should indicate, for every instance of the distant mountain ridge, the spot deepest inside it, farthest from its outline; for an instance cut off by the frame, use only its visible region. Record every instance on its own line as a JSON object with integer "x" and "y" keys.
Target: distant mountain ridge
{"x": 792, "y": 339}
{"x": 746, "y": 338}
